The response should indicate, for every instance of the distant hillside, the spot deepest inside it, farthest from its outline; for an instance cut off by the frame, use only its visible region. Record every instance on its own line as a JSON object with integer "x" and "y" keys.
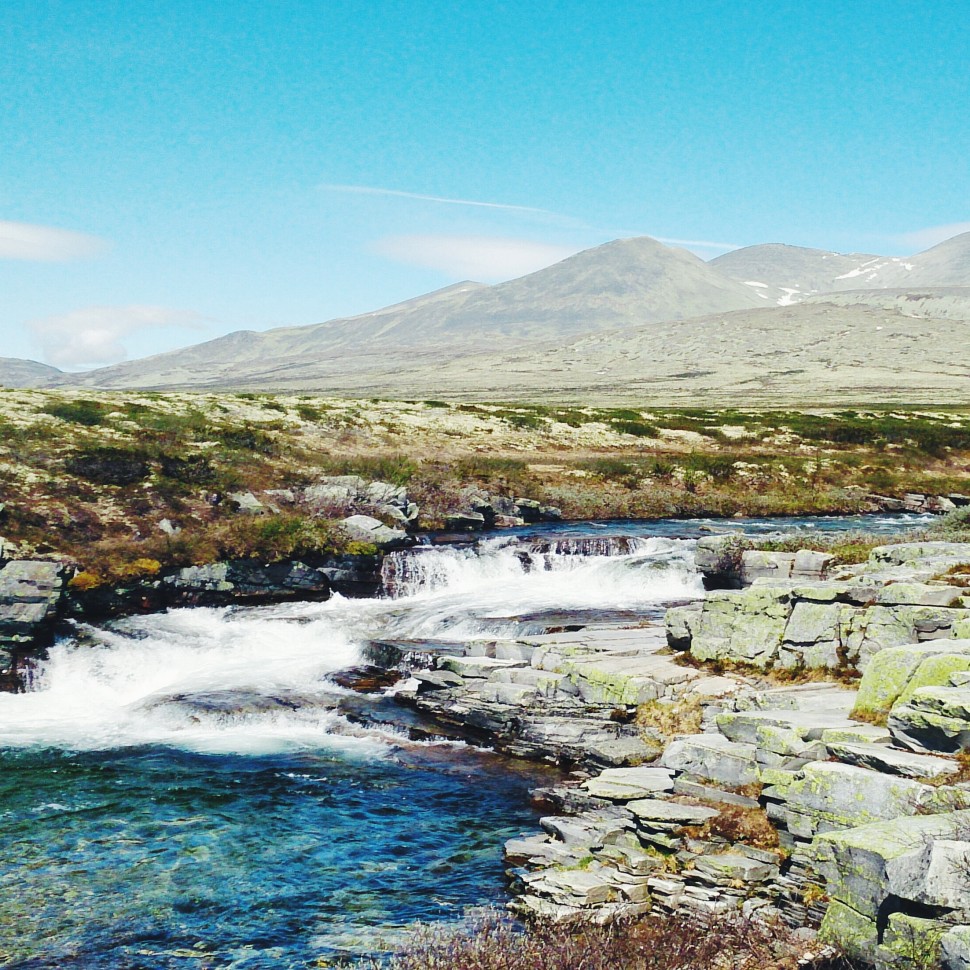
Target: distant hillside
{"x": 630, "y": 320}
{"x": 15, "y": 372}
{"x": 627, "y": 283}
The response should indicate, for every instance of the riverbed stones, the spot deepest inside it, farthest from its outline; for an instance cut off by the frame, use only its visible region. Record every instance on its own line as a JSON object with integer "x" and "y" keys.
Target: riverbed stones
{"x": 30, "y": 591}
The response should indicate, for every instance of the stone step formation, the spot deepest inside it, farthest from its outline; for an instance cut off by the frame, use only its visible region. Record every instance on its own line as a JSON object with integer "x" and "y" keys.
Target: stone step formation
{"x": 816, "y": 804}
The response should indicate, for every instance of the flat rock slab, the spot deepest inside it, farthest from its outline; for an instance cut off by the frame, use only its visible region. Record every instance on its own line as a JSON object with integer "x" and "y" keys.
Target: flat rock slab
{"x": 480, "y": 667}
{"x": 627, "y": 784}
{"x": 732, "y": 865}
{"x": 892, "y": 761}
{"x": 649, "y": 810}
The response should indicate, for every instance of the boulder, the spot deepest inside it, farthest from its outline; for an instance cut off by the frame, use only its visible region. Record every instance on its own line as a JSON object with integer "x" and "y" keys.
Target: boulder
{"x": 365, "y": 528}
{"x": 934, "y": 719}
{"x": 896, "y": 671}
{"x": 30, "y": 591}
{"x": 955, "y": 949}
{"x": 865, "y": 865}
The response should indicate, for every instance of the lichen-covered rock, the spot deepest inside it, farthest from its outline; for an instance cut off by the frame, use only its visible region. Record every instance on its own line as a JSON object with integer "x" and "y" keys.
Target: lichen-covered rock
{"x": 866, "y": 864}
{"x": 955, "y": 949}
{"x": 746, "y": 626}
{"x": 934, "y": 719}
{"x": 896, "y": 673}
{"x": 833, "y": 797}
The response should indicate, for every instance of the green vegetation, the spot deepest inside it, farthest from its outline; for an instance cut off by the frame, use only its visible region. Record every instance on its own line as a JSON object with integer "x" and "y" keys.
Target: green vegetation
{"x": 80, "y": 471}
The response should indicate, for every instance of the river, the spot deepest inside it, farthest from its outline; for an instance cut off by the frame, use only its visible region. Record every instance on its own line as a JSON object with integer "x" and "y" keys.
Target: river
{"x": 186, "y": 790}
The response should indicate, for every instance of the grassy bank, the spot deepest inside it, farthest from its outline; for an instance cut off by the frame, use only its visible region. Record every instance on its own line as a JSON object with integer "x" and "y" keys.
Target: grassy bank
{"x": 94, "y": 476}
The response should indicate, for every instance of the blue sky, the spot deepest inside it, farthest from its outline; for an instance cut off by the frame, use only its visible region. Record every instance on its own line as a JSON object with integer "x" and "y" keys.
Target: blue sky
{"x": 176, "y": 169}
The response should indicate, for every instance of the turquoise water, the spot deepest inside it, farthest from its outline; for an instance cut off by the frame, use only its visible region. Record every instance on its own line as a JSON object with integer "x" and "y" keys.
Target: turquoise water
{"x": 158, "y": 858}
{"x": 184, "y": 790}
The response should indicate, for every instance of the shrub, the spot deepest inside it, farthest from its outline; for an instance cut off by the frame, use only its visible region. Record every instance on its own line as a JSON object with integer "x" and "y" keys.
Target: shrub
{"x": 109, "y": 466}
{"x": 194, "y": 470}
{"x": 639, "y": 429}
{"x": 653, "y": 943}
{"x": 88, "y": 413}
{"x": 85, "y": 580}
{"x": 680, "y": 717}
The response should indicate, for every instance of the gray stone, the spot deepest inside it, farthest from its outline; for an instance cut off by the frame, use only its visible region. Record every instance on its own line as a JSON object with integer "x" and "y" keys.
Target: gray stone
{"x": 936, "y": 719}
{"x": 892, "y": 761}
{"x": 246, "y": 503}
{"x": 955, "y": 949}
{"x": 626, "y": 784}
{"x": 650, "y": 810}
{"x": 30, "y": 591}
{"x": 713, "y": 757}
{"x": 365, "y": 528}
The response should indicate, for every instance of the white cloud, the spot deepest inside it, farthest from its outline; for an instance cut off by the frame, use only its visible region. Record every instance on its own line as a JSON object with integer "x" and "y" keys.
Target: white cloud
{"x": 397, "y": 193}
{"x": 94, "y": 336}
{"x": 922, "y": 239}
{"x": 485, "y": 258}
{"x": 46, "y": 244}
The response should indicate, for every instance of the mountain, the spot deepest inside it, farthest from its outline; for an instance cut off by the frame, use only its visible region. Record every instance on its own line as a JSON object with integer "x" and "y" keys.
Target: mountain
{"x": 626, "y": 283}
{"x": 15, "y": 372}
{"x": 807, "y": 354}
{"x": 784, "y": 275}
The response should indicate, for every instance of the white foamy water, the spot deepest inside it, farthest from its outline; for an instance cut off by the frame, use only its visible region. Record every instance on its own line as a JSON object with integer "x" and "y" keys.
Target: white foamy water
{"x": 256, "y": 680}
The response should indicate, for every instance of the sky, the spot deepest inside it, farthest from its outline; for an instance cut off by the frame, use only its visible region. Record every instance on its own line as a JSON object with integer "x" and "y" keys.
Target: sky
{"x": 173, "y": 170}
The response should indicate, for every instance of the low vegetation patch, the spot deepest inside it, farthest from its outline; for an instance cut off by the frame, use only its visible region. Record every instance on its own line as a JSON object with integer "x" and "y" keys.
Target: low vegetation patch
{"x": 81, "y": 472}
{"x": 652, "y": 943}
{"x": 682, "y": 716}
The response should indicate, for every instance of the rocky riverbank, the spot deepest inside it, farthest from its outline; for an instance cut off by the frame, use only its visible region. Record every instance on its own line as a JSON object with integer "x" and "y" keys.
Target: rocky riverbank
{"x": 712, "y": 775}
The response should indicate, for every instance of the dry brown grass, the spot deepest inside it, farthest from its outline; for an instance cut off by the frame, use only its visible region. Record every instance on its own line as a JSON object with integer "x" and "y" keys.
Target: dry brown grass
{"x": 653, "y": 943}
{"x": 682, "y": 716}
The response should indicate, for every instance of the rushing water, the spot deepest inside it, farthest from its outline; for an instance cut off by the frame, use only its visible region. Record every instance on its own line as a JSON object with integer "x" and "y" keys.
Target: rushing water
{"x": 183, "y": 790}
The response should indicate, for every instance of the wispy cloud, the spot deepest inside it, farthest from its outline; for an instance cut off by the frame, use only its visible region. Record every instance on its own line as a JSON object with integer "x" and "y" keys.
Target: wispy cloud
{"x": 696, "y": 243}
{"x": 46, "y": 244}
{"x": 924, "y": 238}
{"x": 94, "y": 336}
{"x": 397, "y": 193}
{"x": 485, "y": 258}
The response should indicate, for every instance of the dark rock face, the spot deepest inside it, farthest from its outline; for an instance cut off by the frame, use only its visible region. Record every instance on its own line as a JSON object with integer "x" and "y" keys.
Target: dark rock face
{"x": 30, "y": 597}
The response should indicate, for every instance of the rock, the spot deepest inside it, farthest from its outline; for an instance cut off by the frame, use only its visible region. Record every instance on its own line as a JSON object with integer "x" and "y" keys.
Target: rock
{"x": 831, "y": 796}
{"x": 30, "y": 591}
{"x": 892, "y": 671}
{"x": 935, "y": 873}
{"x": 476, "y": 667}
{"x": 365, "y": 528}
{"x": 611, "y": 752}
{"x": 955, "y": 949}
{"x": 627, "y": 784}
{"x": 341, "y": 491}
{"x": 850, "y": 931}
{"x": 746, "y": 626}
{"x": 892, "y": 761}
{"x": 436, "y": 680}
{"x": 732, "y": 866}
{"x": 168, "y": 527}
{"x": 244, "y": 580}
{"x": 246, "y": 503}
{"x": 713, "y": 757}
{"x": 866, "y": 864}
{"x": 934, "y": 719}
{"x": 465, "y": 521}
{"x": 680, "y": 623}
{"x": 657, "y": 810}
